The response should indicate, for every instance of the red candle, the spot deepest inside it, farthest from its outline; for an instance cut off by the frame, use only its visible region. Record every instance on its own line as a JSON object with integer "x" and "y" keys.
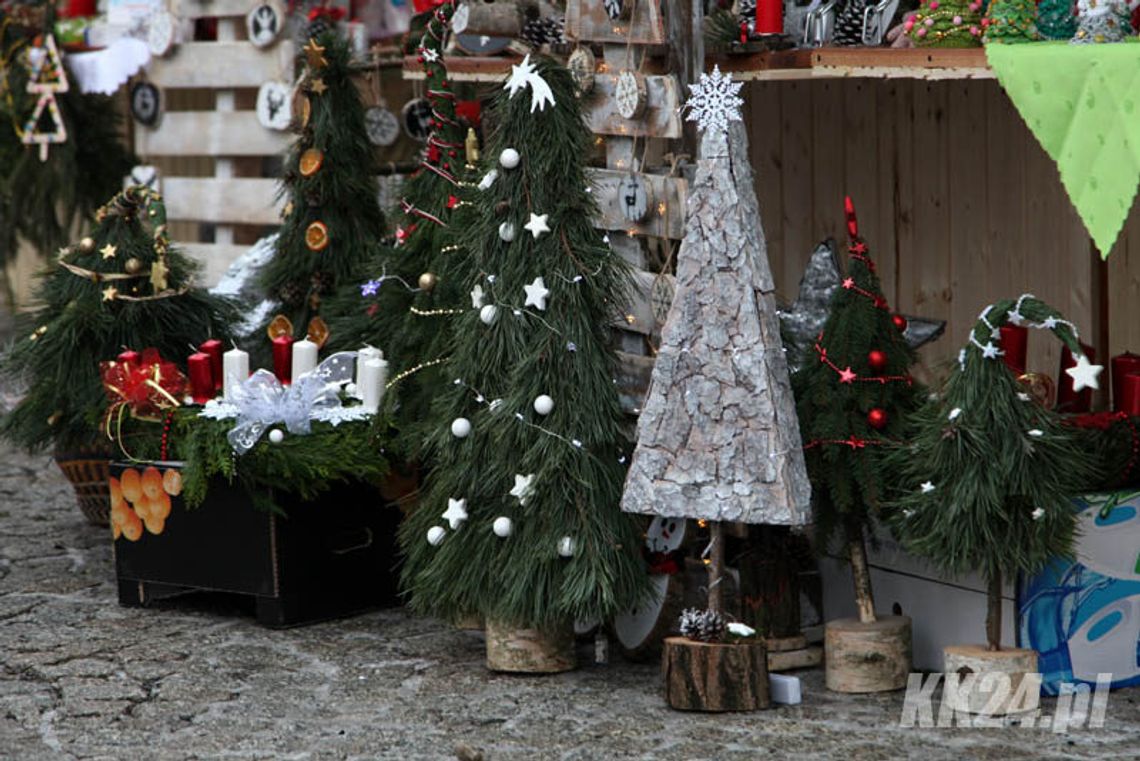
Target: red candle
{"x": 1014, "y": 342}
{"x": 1129, "y": 400}
{"x": 1123, "y": 365}
{"x": 129, "y": 357}
{"x": 769, "y": 17}
{"x": 283, "y": 358}
{"x": 1069, "y": 400}
{"x": 213, "y": 347}
{"x": 201, "y": 377}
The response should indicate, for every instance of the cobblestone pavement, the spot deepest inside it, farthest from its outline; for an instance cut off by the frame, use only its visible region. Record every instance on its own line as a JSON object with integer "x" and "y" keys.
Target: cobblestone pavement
{"x": 81, "y": 677}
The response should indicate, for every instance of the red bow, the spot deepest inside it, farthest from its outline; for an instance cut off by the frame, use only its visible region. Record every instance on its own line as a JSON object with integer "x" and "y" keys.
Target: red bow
{"x": 145, "y": 388}
{"x": 323, "y": 11}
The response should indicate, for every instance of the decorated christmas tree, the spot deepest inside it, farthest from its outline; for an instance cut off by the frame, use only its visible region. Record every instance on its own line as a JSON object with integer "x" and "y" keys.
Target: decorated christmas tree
{"x": 122, "y": 287}
{"x": 406, "y": 298}
{"x": 853, "y": 400}
{"x": 989, "y": 471}
{"x": 946, "y": 24}
{"x": 1056, "y": 19}
{"x": 332, "y": 219}
{"x": 1102, "y": 21}
{"x": 849, "y": 23}
{"x": 519, "y": 521}
{"x": 1010, "y": 21}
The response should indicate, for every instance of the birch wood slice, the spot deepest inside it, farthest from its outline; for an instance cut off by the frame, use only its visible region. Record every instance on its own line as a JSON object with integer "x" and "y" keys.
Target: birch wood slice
{"x": 867, "y": 657}
{"x": 715, "y": 677}
{"x": 530, "y": 651}
{"x": 990, "y": 681}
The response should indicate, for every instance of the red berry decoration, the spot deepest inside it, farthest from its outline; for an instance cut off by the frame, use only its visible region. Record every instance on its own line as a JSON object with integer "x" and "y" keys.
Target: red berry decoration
{"x": 899, "y": 321}
{"x": 877, "y": 418}
{"x": 877, "y": 360}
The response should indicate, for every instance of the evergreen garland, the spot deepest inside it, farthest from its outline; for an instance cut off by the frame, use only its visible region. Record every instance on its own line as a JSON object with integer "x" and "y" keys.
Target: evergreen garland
{"x": 570, "y": 553}
{"x": 1010, "y": 21}
{"x": 989, "y": 473}
{"x": 81, "y": 321}
{"x": 946, "y": 24}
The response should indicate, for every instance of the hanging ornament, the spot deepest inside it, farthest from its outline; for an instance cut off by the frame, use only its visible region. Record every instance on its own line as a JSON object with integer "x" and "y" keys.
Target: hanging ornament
{"x": 147, "y": 176}
{"x": 877, "y": 360}
{"x": 33, "y": 135}
{"x": 537, "y": 225}
{"x": 471, "y": 147}
{"x": 133, "y": 266}
{"x": 543, "y": 404}
{"x": 382, "y": 126}
{"x": 146, "y": 103}
{"x": 314, "y": 55}
{"x": 566, "y": 547}
{"x": 523, "y": 489}
{"x": 477, "y": 297}
{"x": 502, "y": 527}
{"x": 317, "y": 86}
{"x": 509, "y": 158}
{"x": 1040, "y": 388}
{"x": 310, "y": 162}
{"x": 158, "y": 272}
{"x": 306, "y": 109}
{"x": 435, "y": 535}
{"x": 877, "y": 418}
{"x": 272, "y": 108}
{"x": 160, "y": 34}
{"x": 428, "y": 281}
{"x": 461, "y": 428}
{"x": 617, "y": 9}
{"x": 276, "y": 436}
{"x": 317, "y": 236}
{"x": 86, "y": 244}
{"x": 899, "y": 322}
{"x": 582, "y": 65}
{"x": 263, "y": 23}
{"x": 488, "y": 314}
{"x": 456, "y": 513}
{"x": 108, "y": 251}
{"x": 417, "y": 117}
{"x": 536, "y": 293}
{"x": 631, "y": 94}
{"x": 507, "y": 231}
{"x": 634, "y": 197}
{"x": 661, "y": 297}
{"x": 524, "y": 75}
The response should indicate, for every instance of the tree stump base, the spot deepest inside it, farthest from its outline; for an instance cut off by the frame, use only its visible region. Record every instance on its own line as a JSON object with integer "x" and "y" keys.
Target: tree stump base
{"x": 995, "y": 679}
{"x": 473, "y": 622}
{"x": 715, "y": 676}
{"x": 530, "y": 651}
{"x": 871, "y": 657}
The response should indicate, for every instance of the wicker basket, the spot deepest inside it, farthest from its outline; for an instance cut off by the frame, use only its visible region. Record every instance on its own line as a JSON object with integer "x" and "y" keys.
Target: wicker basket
{"x": 89, "y": 474}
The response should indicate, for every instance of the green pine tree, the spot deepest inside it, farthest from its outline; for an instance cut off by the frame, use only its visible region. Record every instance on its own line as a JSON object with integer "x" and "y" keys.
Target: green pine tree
{"x": 946, "y": 24}
{"x": 403, "y": 299}
{"x": 853, "y": 397}
{"x": 989, "y": 472}
{"x": 1102, "y": 21}
{"x": 332, "y": 220}
{"x": 1010, "y": 21}
{"x": 542, "y": 331}
{"x": 110, "y": 291}
{"x": 1056, "y": 19}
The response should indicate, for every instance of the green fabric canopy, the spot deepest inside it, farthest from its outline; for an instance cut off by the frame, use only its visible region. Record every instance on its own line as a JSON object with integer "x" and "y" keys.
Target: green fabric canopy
{"x": 1080, "y": 101}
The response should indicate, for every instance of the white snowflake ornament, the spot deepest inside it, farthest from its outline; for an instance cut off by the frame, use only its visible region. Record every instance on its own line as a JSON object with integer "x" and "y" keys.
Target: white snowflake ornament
{"x": 714, "y": 102}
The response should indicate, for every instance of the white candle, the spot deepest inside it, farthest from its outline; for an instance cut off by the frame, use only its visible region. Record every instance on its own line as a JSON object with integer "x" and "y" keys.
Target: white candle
{"x": 235, "y": 369}
{"x": 362, "y": 356}
{"x": 374, "y": 374}
{"x": 304, "y": 358}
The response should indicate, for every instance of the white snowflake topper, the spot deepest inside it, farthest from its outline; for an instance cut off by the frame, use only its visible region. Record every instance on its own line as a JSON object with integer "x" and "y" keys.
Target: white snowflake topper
{"x": 714, "y": 102}
{"x": 523, "y": 75}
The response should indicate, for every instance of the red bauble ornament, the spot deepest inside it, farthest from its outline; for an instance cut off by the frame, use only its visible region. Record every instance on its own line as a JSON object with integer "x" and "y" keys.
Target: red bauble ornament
{"x": 899, "y": 321}
{"x": 877, "y": 360}
{"x": 877, "y": 418}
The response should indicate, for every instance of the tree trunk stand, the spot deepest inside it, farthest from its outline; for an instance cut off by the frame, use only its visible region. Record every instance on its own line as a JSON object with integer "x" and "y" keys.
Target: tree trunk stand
{"x": 530, "y": 651}
{"x": 714, "y": 676}
{"x": 472, "y": 622}
{"x": 867, "y": 657}
{"x": 994, "y": 695}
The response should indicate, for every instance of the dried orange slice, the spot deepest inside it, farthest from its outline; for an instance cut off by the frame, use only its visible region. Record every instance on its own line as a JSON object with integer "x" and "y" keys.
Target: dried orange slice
{"x": 317, "y": 236}
{"x": 310, "y": 162}
{"x": 318, "y": 332}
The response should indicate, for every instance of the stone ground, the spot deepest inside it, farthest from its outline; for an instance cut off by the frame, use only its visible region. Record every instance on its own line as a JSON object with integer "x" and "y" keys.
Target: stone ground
{"x": 81, "y": 677}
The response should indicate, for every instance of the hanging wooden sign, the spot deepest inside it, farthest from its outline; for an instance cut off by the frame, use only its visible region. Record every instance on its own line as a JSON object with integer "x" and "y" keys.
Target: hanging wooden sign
{"x": 417, "y": 118}
{"x": 263, "y": 24}
{"x": 582, "y": 65}
{"x": 160, "y": 34}
{"x": 273, "y": 106}
{"x": 382, "y": 126}
{"x": 146, "y": 103}
{"x": 630, "y": 95}
{"x": 635, "y": 196}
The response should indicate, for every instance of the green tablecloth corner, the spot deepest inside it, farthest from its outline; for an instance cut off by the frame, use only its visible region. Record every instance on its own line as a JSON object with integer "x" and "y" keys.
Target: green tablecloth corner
{"x": 1082, "y": 103}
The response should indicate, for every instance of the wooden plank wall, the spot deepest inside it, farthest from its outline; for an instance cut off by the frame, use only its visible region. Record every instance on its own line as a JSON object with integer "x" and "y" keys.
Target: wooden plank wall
{"x": 956, "y": 199}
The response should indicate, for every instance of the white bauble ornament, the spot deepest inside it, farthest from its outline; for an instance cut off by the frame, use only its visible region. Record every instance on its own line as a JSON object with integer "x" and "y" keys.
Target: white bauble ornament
{"x": 509, "y": 158}
{"x": 566, "y": 547}
{"x": 435, "y": 535}
{"x": 276, "y": 436}
{"x": 507, "y": 231}
{"x": 461, "y": 428}
{"x": 502, "y": 526}
{"x": 489, "y": 314}
{"x": 543, "y": 404}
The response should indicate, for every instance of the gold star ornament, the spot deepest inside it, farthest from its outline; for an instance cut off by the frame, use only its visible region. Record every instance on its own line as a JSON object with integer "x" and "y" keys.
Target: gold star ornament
{"x": 318, "y": 86}
{"x": 158, "y": 272}
{"x": 110, "y": 293}
{"x": 315, "y": 55}
{"x": 108, "y": 251}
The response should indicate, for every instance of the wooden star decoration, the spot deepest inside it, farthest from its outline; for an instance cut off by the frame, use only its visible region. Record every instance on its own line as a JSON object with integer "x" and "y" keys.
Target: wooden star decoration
{"x": 318, "y": 86}
{"x": 158, "y": 272}
{"x": 315, "y": 55}
{"x": 110, "y": 293}
{"x": 108, "y": 251}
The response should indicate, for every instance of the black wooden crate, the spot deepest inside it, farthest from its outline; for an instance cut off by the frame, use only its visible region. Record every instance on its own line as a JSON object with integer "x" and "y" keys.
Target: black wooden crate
{"x": 323, "y": 559}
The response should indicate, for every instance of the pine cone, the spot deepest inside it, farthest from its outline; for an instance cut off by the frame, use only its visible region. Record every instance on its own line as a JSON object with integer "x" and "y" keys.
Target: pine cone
{"x": 702, "y": 625}
{"x": 317, "y": 27}
{"x": 541, "y": 31}
{"x": 322, "y": 282}
{"x": 291, "y": 294}
{"x": 849, "y": 24}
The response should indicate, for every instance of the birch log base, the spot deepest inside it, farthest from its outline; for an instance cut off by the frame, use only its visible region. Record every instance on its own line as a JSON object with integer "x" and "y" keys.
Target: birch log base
{"x": 470, "y": 623}
{"x": 714, "y": 676}
{"x": 989, "y": 680}
{"x": 867, "y": 657}
{"x": 530, "y": 651}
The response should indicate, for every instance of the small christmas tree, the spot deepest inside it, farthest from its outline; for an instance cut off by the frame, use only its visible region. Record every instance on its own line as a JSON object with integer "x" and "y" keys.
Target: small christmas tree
{"x": 1102, "y": 21}
{"x": 1010, "y": 21}
{"x": 853, "y": 400}
{"x": 122, "y": 287}
{"x": 1056, "y": 19}
{"x": 332, "y": 220}
{"x": 946, "y": 24}
{"x": 405, "y": 298}
{"x": 849, "y": 23}
{"x": 520, "y": 521}
{"x": 990, "y": 471}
